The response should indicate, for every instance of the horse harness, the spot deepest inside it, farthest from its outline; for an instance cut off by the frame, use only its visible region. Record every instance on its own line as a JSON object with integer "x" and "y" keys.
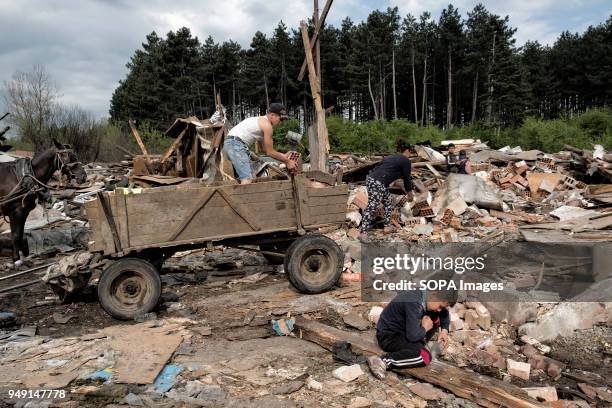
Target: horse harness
{"x": 28, "y": 184}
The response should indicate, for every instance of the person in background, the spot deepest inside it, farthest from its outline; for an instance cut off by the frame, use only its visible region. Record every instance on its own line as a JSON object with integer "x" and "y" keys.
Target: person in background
{"x": 255, "y": 129}
{"x": 391, "y": 168}
{"x": 405, "y": 326}
{"x": 451, "y": 159}
{"x": 464, "y": 166}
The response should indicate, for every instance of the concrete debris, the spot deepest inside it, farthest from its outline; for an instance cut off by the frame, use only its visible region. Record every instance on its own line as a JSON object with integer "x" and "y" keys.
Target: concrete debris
{"x": 360, "y": 402}
{"x": 564, "y": 319}
{"x": 348, "y": 373}
{"x": 548, "y": 394}
{"x": 374, "y": 314}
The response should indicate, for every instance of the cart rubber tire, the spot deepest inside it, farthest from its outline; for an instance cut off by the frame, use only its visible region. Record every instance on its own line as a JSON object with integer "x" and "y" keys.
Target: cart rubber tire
{"x": 129, "y": 287}
{"x": 313, "y": 263}
{"x": 280, "y": 247}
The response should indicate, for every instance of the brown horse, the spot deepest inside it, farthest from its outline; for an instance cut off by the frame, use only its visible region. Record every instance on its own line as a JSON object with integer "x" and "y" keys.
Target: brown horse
{"x": 21, "y": 184}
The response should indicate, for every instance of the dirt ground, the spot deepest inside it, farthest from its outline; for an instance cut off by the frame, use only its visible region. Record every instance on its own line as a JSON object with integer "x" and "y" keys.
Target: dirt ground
{"x": 233, "y": 356}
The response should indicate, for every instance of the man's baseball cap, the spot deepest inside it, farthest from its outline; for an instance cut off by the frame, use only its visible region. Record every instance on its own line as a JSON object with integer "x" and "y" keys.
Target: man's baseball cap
{"x": 279, "y": 109}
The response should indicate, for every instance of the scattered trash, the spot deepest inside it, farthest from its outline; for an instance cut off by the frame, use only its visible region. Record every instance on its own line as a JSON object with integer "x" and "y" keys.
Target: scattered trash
{"x": 283, "y": 327}
{"x": 167, "y": 377}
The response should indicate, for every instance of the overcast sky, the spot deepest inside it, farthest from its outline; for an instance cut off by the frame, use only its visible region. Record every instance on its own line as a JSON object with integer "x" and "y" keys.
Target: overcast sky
{"x": 85, "y": 44}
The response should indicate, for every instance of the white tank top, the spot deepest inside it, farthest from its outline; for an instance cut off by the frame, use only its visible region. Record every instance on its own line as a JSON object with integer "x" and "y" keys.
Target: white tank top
{"x": 248, "y": 130}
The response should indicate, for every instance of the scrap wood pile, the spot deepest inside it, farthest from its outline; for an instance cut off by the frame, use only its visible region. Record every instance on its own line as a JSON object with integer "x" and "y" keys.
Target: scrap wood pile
{"x": 542, "y": 197}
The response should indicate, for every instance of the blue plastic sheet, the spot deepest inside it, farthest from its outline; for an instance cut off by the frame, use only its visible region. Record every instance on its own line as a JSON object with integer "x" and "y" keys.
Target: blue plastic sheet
{"x": 167, "y": 377}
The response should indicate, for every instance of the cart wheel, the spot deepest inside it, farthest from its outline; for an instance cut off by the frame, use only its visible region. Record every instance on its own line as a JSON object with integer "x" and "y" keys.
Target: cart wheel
{"x": 279, "y": 247}
{"x": 313, "y": 263}
{"x": 128, "y": 287}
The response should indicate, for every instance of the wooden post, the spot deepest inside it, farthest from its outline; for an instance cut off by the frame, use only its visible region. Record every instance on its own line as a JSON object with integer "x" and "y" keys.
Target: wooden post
{"x": 318, "y": 158}
{"x": 317, "y": 45}
{"x": 140, "y": 143}
{"x": 315, "y": 36}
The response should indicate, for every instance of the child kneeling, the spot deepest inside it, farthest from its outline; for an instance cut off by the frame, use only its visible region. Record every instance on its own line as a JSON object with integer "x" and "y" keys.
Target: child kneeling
{"x": 405, "y": 326}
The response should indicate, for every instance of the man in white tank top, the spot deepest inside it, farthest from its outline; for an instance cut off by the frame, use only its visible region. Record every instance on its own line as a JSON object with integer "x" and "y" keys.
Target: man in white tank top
{"x": 256, "y": 129}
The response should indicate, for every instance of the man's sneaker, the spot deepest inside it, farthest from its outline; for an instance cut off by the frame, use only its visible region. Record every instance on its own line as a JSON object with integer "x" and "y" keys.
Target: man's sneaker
{"x": 377, "y": 367}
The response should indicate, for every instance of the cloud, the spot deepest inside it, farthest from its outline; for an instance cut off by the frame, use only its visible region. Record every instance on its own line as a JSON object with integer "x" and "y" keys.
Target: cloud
{"x": 85, "y": 45}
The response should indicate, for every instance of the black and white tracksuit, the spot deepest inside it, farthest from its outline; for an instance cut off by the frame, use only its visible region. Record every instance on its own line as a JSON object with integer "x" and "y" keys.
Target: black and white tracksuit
{"x": 399, "y": 331}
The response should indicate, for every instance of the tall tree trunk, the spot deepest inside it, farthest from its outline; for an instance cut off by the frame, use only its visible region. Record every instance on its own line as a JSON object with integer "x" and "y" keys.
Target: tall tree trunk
{"x": 490, "y": 81}
{"x": 423, "y": 103}
{"x": 372, "y": 94}
{"x": 475, "y": 97}
{"x": 433, "y": 94}
{"x": 350, "y": 104}
{"x": 266, "y": 91}
{"x": 449, "y": 107}
{"x": 383, "y": 114}
{"x": 394, "y": 93}
{"x": 414, "y": 86}
{"x": 234, "y": 101}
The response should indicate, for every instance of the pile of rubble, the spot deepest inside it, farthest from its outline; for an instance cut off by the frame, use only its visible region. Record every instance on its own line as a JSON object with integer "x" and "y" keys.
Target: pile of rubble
{"x": 532, "y": 194}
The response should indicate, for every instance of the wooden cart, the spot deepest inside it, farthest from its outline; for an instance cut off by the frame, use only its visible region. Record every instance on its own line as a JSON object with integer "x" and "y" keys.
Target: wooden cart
{"x": 138, "y": 228}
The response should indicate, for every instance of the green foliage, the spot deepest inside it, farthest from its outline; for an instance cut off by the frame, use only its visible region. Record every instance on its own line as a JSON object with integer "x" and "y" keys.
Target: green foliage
{"x": 493, "y": 81}
{"x": 596, "y": 123}
{"x": 583, "y": 131}
{"x": 280, "y": 142}
{"x": 154, "y": 140}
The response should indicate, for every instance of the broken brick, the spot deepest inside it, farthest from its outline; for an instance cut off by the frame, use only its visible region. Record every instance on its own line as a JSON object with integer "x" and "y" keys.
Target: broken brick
{"x": 360, "y": 200}
{"x": 518, "y": 369}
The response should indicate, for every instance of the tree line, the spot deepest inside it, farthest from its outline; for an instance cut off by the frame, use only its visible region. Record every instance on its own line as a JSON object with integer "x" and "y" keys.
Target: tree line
{"x": 445, "y": 72}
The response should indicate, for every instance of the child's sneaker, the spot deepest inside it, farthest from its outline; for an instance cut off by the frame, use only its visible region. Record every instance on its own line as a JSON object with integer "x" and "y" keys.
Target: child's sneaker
{"x": 377, "y": 367}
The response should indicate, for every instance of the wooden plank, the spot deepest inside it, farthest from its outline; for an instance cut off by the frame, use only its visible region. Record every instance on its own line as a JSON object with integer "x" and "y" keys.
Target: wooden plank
{"x": 327, "y": 219}
{"x": 321, "y": 176}
{"x": 144, "y": 350}
{"x": 203, "y": 241}
{"x": 339, "y": 200}
{"x": 316, "y": 210}
{"x": 315, "y": 36}
{"x": 318, "y": 153}
{"x": 110, "y": 220}
{"x": 483, "y": 390}
{"x": 173, "y": 146}
{"x": 301, "y": 200}
{"x": 121, "y": 219}
{"x": 205, "y": 197}
{"x": 182, "y": 207}
{"x": 241, "y": 210}
{"x": 434, "y": 171}
{"x": 207, "y": 225}
{"x": 139, "y": 141}
{"x": 328, "y": 191}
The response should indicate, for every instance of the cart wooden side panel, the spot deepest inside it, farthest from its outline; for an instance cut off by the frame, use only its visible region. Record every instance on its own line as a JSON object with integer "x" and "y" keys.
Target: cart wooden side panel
{"x": 174, "y": 215}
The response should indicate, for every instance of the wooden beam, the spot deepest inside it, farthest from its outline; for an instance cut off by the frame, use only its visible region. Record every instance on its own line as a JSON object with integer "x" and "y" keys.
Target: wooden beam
{"x": 315, "y": 36}
{"x": 139, "y": 141}
{"x": 174, "y": 145}
{"x": 318, "y": 153}
{"x": 317, "y": 44}
{"x": 110, "y": 220}
{"x": 483, "y": 390}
